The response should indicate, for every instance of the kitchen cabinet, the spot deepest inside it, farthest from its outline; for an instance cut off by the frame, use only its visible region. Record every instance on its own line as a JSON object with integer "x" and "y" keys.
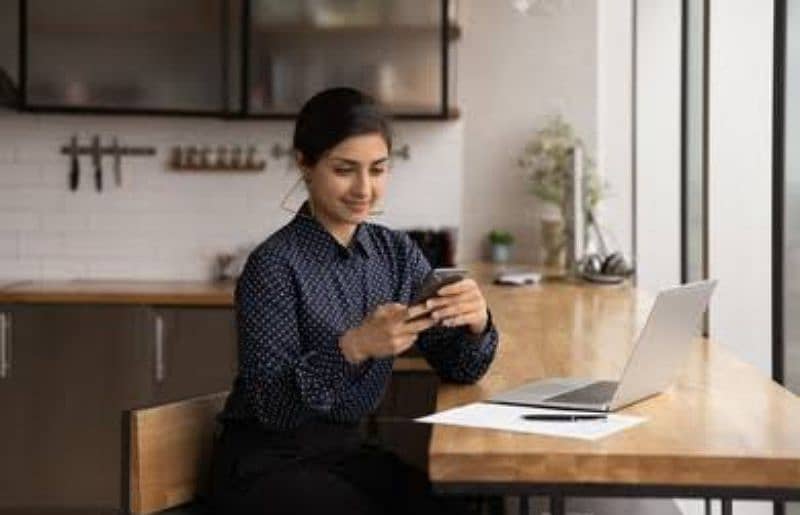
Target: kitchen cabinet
{"x": 235, "y": 58}
{"x": 195, "y": 351}
{"x": 70, "y": 371}
{"x": 147, "y": 55}
{"x": 392, "y": 49}
{"x": 73, "y": 370}
{"x": 9, "y": 64}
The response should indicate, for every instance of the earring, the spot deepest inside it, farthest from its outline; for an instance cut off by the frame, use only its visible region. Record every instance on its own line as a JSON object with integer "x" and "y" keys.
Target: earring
{"x": 379, "y": 210}
{"x": 285, "y": 200}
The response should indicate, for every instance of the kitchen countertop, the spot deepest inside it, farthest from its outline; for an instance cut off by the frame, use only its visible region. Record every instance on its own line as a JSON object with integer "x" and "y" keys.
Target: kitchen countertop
{"x": 183, "y": 293}
{"x": 177, "y": 293}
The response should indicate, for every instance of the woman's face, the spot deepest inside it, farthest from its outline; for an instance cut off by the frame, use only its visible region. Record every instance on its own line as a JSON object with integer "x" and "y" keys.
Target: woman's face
{"x": 349, "y": 179}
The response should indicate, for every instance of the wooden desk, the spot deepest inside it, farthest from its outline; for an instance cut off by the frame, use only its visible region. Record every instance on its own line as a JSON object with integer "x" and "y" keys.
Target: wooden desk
{"x": 724, "y": 430}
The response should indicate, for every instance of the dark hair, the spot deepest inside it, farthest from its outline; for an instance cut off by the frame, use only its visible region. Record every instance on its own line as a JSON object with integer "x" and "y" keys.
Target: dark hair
{"x": 333, "y": 115}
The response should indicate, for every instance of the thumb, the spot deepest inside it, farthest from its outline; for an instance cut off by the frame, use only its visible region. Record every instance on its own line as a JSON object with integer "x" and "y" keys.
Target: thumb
{"x": 390, "y": 310}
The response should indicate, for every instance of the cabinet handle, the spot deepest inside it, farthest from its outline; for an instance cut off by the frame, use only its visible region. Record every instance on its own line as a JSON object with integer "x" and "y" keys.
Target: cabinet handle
{"x": 159, "y": 348}
{"x": 5, "y": 345}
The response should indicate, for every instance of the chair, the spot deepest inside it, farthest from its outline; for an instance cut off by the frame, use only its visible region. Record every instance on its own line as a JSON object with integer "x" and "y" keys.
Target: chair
{"x": 169, "y": 455}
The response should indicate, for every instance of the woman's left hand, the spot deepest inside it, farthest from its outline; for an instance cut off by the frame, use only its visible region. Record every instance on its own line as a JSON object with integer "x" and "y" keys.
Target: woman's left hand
{"x": 460, "y": 303}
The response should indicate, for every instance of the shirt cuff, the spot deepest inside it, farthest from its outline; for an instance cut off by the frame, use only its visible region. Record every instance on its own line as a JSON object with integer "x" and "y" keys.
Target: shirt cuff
{"x": 485, "y": 334}
{"x": 321, "y": 375}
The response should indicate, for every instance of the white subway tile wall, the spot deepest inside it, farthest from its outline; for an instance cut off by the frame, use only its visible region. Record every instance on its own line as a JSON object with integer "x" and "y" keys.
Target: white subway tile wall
{"x": 166, "y": 225}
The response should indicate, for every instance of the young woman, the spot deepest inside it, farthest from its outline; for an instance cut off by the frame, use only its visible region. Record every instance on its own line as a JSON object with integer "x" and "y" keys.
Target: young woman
{"x": 322, "y": 309}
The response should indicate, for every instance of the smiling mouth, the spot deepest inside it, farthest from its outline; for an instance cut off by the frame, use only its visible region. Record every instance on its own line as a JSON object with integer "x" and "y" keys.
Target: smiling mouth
{"x": 360, "y": 206}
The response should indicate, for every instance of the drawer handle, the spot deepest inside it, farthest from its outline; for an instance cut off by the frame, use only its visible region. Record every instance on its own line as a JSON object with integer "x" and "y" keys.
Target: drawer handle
{"x": 160, "y": 370}
{"x": 5, "y": 345}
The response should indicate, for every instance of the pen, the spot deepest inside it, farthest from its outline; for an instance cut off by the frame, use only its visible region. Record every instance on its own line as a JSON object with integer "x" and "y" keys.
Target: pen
{"x": 562, "y": 418}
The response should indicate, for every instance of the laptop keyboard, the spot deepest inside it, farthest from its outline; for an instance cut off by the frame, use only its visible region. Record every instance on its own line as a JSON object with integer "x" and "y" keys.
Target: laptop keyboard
{"x": 599, "y": 392}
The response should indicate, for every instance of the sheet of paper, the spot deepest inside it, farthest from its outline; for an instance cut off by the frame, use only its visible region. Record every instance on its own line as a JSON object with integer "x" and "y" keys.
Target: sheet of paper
{"x": 509, "y": 418}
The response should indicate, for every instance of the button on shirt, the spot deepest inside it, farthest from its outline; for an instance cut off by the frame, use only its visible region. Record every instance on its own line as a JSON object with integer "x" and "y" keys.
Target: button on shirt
{"x": 299, "y": 292}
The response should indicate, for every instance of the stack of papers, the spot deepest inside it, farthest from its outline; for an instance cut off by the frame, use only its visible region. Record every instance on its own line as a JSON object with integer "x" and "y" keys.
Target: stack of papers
{"x": 509, "y": 418}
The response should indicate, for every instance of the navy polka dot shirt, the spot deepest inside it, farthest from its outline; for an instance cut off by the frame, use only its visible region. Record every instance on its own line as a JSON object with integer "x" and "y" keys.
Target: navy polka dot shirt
{"x": 299, "y": 292}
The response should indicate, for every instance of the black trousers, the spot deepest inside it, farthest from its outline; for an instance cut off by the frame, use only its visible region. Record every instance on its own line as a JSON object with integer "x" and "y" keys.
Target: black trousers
{"x": 319, "y": 468}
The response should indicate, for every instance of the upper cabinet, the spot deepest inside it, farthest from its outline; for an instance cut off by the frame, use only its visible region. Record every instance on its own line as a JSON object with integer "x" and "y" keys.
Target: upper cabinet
{"x": 390, "y": 48}
{"x": 146, "y": 55}
{"x": 234, "y": 58}
{"x": 9, "y": 63}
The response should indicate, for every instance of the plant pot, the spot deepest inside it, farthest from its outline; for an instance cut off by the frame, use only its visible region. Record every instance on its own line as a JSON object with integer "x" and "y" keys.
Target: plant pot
{"x": 500, "y": 253}
{"x": 553, "y": 243}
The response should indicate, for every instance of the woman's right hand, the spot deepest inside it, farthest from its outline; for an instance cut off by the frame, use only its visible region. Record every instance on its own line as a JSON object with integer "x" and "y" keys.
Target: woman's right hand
{"x": 388, "y": 331}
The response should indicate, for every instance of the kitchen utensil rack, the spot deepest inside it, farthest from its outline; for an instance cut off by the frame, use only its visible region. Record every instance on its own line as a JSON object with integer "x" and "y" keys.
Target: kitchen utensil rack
{"x": 191, "y": 158}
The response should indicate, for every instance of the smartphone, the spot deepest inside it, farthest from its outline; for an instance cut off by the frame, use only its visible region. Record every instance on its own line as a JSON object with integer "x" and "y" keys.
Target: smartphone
{"x": 437, "y": 278}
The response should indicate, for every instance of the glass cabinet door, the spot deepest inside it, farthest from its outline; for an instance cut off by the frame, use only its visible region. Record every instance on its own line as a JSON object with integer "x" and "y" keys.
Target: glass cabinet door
{"x": 9, "y": 48}
{"x": 391, "y": 49}
{"x": 117, "y": 54}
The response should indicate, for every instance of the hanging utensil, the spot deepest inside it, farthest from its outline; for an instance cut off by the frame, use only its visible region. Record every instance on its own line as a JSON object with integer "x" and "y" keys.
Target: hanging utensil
{"x": 74, "y": 165}
{"x": 117, "y": 153}
{"x": 98, "y": 170}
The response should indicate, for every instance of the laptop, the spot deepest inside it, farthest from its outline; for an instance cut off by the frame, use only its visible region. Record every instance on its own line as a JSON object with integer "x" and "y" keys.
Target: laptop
{"x": 661, "y": 350}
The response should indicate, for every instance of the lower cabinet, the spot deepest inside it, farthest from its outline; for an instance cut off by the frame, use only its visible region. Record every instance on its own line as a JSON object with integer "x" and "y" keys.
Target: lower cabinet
{"x": 195, "y": 351}
{"x": 71, "y": 371}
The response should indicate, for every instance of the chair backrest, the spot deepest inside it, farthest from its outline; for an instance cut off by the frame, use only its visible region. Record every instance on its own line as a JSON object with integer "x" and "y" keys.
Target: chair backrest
{"x": 169, "y": 452}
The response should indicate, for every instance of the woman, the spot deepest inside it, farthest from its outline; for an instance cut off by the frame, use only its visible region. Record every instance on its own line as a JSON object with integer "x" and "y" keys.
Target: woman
{"x": 322, "y": 309}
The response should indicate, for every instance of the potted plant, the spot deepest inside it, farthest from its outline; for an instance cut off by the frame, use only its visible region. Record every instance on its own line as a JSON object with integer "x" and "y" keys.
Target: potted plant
{"x": 501, "y": 242}
{"x": 546, "y": 163}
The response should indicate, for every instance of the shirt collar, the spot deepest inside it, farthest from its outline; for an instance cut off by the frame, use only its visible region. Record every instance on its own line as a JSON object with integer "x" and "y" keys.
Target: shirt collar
{"x": 361, "y": 238}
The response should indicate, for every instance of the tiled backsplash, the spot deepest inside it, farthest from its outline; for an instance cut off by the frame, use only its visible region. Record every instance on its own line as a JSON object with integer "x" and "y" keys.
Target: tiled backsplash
{"x": 167, "y": 225}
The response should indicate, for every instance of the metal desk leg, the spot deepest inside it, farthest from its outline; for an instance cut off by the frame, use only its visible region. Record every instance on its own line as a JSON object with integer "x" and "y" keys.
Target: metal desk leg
{"x": 727, "y": 507}
{"x": 524, "y": 505}
{"x": 557, "y": 504}
{"x": 495, "y": 505}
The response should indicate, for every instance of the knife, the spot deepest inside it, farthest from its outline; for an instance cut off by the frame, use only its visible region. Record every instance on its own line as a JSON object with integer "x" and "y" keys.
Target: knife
{"x": 98, "y": 170}
{"x": 74, "y": 165}
{"x": 117, "y": 152}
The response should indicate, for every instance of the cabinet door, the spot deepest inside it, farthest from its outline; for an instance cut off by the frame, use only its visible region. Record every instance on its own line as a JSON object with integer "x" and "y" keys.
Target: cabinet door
{"x": 196, "y": 354}
{"x": 74, "y": 370}
{"x": 122, "y": 55}
{"x": 9, "y": 41}
{"x": 390, "y": 49}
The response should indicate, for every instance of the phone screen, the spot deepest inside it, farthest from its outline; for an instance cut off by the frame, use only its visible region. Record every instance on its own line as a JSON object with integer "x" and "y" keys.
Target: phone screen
{"x": 437, "y": 278}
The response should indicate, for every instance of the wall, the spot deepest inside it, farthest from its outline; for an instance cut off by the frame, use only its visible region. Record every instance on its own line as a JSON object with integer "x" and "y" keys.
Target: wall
{"x": 170, "y": 226}
{"x": 740, "y": 181}
{"x": 740, "y": 176}
{"x": 514, "y": 72}
{"x": 615, "y": 119}
{"x": 163, "y": 225}
{"x": 658, "y": 143}
{"x": 792, "y": 203}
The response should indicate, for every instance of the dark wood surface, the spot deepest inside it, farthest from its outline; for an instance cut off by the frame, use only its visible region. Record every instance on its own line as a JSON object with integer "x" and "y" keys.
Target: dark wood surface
{"x": 176, "y": 293}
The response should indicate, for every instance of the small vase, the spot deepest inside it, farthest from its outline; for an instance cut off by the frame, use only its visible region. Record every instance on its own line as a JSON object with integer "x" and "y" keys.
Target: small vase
{"x": 553, "y": 243}
{"x": 500, "y": 253}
